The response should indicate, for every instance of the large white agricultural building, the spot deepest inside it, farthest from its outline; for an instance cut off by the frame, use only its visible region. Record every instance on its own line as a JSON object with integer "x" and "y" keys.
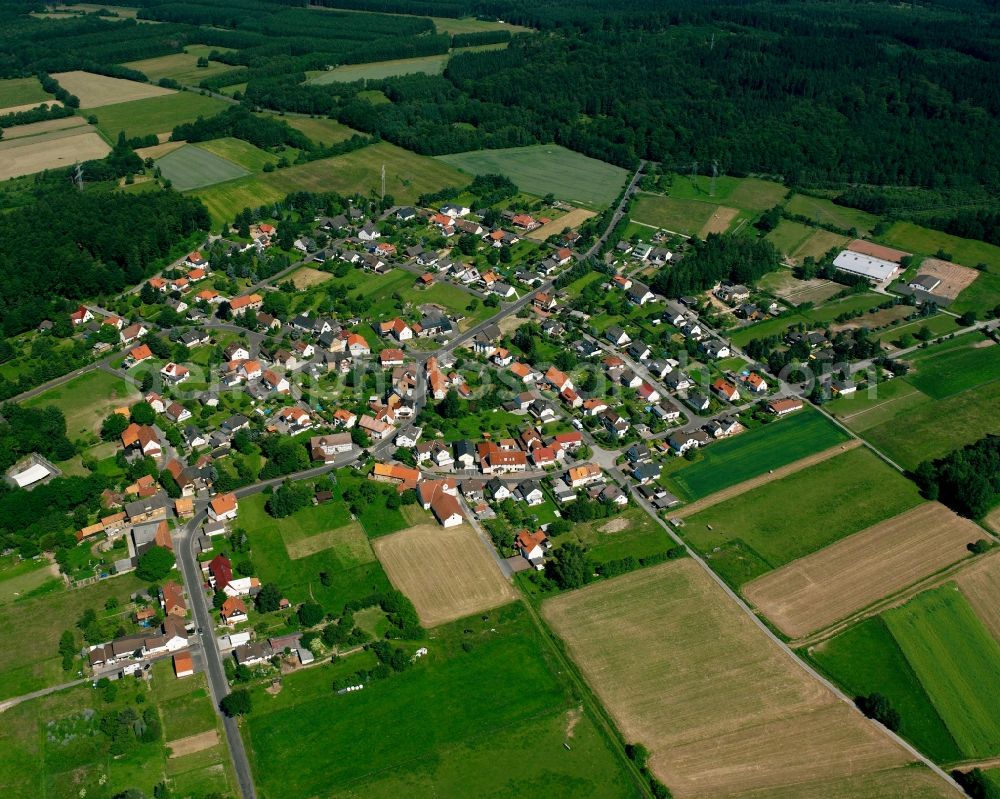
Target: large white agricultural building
{"x": 874, "y": 269}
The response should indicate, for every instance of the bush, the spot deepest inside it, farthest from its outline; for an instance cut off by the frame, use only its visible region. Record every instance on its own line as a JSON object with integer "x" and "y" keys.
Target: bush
{"x": 877, "y": 707}
{"x": 310, "y": 614}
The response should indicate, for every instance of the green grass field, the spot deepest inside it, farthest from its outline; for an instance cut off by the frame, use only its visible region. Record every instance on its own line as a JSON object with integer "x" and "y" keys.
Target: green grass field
{"x": 60, "y": 736}
{"x": 755, "y": 452}
{"x": 321, "y": 131}
{"x": 982, "y": 296}
{"x": 182, "y": 67}
{"x": 963, "y": 363}
{"x": 866, "y": 659}
{"x": 547, "y": 168}
{"x": 788, "y": 236}
{"x": 777, "y": 326}
{"x": 450, "y": 725}
{"x": 933, "y": 429}
{"x": 827, "y": 212}
{"x": 346, "y": 558}
{"x": 877, "y": 404}
{"x": 631, "y": 533}
{"x": 788, "y": 518}
{"x": 192, "y": 167}
{"x": 673, "y": 214}
{"x": 20, "y": 579}
{"x": 924, "y": 241}
{"x": 408, "y": 175}
{"x": 379, "y": 70}
{"x": 30, "y": 660}
{"x": 238, "y": 152}
{"x": 747, "y": 194}
{"x": 86, "y": 400}
{"x": 155, "y": 114}
{"x": 21, "y": 91}
{"x": 956, "y": 659}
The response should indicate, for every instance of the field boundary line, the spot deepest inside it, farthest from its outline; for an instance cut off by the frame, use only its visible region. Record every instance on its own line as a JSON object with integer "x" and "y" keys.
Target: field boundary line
{"x": 763, "y": 479}
{"x": 900, "y": 597}
{"x": 786, "y": 649}
{"x": 590, "y": 701}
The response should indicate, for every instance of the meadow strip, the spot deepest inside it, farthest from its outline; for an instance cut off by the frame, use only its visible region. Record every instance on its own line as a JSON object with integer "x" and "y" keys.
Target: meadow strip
{"x": 754, "y": 482}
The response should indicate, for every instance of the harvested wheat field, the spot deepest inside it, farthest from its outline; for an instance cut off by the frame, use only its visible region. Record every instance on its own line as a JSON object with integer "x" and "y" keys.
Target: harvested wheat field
{"x": 954, "y": 278}
{"x": 48, "y": 126}
{"x": 723, "y": 711}
{"x": 94, "y": 91}
{"x": 446, "y": 573}
{"x": 981, "y": 585}
{"x": 54, "y": 150}
{"x": 719, "y": 221}
{"x": 573, "y": 220}
{"x": 307, "y": 276}
{"x": 815, "y": 591}
{"x": 159, "y": 150}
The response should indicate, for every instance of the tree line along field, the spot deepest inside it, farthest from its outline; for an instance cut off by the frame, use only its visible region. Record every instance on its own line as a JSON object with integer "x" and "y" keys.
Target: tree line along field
{"x": 723, "y": 712}
{"x": 931, "y": 658}
{"x": 946, "y": 401}
{"x": 407, "y": 177}
{"x": 547, "y": 169}
{"x": 59, "y": 735}
{"x": 755, "y": 452}
{"x": 778, "y": 522}
{"x": 449, "y": 725}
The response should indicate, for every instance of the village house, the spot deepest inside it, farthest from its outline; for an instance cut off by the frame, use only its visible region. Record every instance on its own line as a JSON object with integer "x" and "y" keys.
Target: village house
{"x": 327, "y": 448}
{"x": 725, "y": 390}
{"x": 250, "y": 302}
{"x": 223, "y": 507}
{"x": 583, "y": 475}
{"x": 533, "y": 547}
{"x": 781, "y": 407}
{"x": 403, "y": 477}
{"x": 233, "y": 611}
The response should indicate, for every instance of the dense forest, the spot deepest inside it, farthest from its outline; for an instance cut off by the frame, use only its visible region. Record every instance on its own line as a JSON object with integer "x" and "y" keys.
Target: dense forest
{"x": 826, "y": 95}
{"x": 819, "y": 94}
{"x": 73, "y": 245}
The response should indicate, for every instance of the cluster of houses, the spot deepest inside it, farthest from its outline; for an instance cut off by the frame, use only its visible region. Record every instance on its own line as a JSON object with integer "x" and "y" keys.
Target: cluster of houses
{"x": 130, "y": 654}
